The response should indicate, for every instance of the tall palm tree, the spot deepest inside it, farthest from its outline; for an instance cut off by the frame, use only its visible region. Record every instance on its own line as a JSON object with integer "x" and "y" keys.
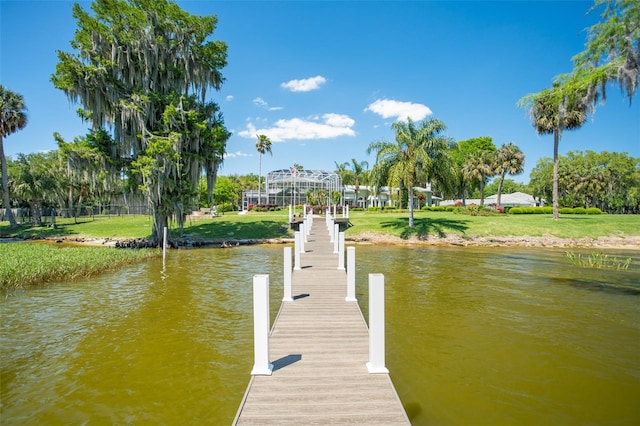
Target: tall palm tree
{"x": 344, "y": 173}
{"x": 508, "y": 160}
{"x": 562, "y": 107}
{"x": 263, "y": 145}
{"x": 414, "y": 154}
{"x": 360, "y": 173}
{"x": 479, "y": 169}
{"x": 13, "y": 117}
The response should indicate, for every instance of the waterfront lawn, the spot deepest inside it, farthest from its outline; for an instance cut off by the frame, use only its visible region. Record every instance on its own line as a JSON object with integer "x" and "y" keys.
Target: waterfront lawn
{"x": 24, "y": 264}
{"x": 228, "y": 226}
{"x": 440, "y": 224}
{"x": 273, "y": 225}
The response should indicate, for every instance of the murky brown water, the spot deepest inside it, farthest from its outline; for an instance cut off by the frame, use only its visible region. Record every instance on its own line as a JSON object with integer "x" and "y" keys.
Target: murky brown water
{"x": 474, "y": 336}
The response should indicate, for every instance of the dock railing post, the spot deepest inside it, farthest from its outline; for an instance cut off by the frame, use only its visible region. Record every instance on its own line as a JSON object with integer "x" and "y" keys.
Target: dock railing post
{"x": 261, "y": 366}
{"x": 296, "y": 252}
{"x": 341, "y": 250}
{"x": 376, "y": 364}
{"x": 287, "y": 275}
{"x": 336, "y": 240}
{"x": 351, "y": 275}
{"x": 332, "y": 237}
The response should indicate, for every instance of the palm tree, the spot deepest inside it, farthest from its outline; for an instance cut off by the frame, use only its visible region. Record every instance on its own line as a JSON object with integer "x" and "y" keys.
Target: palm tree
{"x": 478, "y": 169}
{"x": 360, "y": 172}
{"x": 562, "y": 107}
{"x": 413, "y": 155}
{"x": 508, "y": 160}
{"x": 13, "y": 117}
{"x": 344, "y": 173}
{"x": 263, "y": 145}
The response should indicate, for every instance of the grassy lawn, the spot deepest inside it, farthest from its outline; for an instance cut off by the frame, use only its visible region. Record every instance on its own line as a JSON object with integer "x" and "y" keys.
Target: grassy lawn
{"x": 446, "y": 223}
{"x": 274, "y": 225}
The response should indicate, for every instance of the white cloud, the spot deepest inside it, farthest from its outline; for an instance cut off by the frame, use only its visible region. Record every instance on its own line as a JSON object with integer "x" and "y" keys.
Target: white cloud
{"x": 325, "y": 127}
{"x": 263, "y": 104}
{"x": 235, "y": 154}
{"x": 400, "y": 110}
{"x": 304, "y": 85}
{"x": 229, "y": 98}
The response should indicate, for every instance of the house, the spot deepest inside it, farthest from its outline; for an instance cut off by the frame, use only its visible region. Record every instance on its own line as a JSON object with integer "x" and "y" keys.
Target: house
{"x": 516, "y": 199}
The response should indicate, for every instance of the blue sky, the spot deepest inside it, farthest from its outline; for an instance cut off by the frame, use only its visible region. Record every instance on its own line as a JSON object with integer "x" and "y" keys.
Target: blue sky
{"x": 324, "y": 79}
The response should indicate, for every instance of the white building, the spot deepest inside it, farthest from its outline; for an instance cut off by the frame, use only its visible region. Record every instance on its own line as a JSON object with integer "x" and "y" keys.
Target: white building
{"x": 516, "y": 199}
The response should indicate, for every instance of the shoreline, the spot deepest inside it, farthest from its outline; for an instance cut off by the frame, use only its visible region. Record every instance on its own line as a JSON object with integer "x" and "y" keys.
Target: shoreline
{"x": 609, "y": 242}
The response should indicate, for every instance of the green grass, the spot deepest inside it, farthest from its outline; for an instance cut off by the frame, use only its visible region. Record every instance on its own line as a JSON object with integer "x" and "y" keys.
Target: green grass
{"x": 25, "y": 264}
{"x": 441, "y": 224}
{"x": 273, "y": 225}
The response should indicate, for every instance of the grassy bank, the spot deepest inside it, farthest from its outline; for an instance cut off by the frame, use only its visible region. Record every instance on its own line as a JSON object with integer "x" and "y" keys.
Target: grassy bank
{"x": 25, "y": 264}
{"x": 274, "y": 225}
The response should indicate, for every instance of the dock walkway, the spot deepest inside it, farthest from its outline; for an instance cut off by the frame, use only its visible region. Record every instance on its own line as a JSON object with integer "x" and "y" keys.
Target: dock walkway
{"x": 319, "y": 347}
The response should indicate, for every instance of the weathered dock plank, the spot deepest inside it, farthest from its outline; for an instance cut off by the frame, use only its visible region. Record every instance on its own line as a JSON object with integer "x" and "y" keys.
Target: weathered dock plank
{"x": 319, "y": 346}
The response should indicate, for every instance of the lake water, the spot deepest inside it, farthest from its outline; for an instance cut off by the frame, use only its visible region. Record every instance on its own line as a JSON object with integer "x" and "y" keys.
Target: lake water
{"x": 475, "y": 336}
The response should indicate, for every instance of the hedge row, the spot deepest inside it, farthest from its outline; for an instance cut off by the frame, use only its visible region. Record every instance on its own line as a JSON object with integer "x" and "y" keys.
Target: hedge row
{"x": 549, "y": 210}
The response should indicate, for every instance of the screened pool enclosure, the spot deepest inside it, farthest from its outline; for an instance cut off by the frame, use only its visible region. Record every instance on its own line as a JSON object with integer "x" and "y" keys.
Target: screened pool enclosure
{"x": 284, "y": 187}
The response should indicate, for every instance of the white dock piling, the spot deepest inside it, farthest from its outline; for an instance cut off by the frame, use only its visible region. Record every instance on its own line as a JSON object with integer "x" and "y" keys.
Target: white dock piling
{"x": 351, "y": 275}
{"x": 376, "y": 364}
{"x": 287, "y": 275}
{"x": 261, "y": 366}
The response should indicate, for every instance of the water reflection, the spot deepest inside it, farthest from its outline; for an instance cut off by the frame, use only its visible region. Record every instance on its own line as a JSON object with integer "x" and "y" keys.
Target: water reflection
{"x": 474, "y": 336}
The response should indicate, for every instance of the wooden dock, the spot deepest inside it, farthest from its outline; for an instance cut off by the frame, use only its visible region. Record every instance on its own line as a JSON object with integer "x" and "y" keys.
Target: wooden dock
{"x": 319, "y": 347}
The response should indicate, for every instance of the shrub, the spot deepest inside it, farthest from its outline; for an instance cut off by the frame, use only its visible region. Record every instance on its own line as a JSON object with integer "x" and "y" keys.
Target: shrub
{"x": 226, "y": 207}
{"x": 579, "y": 210}
{"x": 373, "y": 209}
{"x": 389, "y": 208}
{"x": 516, "y": 210}
{"x": 566, "y": 210}
{"x": 594, "y": 210}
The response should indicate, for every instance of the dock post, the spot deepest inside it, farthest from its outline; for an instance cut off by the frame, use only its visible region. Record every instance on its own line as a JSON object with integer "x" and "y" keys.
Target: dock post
{"x": 302, "y": 238}
{"x": 164, "y": 246}
{"x": 376, "y": 364}
{"x": 347, "y": 211}
{"x": 261, "y": 366}
{"x": 303, "y": 233}
{"x": 290, "y": 214}
{"x": 351, "y": 275}
{"x": 332, "y": 237}
{"x": 341, "y": 250}
{"x": 287, "y": 275}
{"x": 336, "y": 240}
{"x": 296, "y": 253}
